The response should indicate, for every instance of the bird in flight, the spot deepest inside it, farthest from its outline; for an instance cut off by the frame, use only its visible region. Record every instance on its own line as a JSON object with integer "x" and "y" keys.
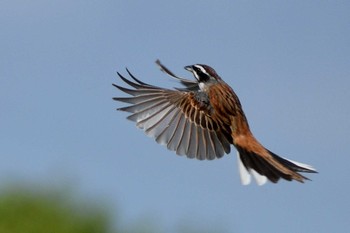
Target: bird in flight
{"x": 201, "y": 120}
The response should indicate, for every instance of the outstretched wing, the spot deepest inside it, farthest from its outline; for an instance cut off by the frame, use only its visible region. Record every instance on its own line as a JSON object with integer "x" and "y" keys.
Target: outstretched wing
{"x": 190, "y": 85}
{"x": 181, "y": 120}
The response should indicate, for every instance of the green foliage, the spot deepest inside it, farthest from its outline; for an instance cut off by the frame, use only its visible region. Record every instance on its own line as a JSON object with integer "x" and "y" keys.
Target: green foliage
{"x": 23, "y": 211}
{"x": 36, "y": 210}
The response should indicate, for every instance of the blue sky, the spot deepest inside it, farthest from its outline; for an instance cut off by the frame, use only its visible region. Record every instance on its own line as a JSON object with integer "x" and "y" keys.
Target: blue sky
{"x": 288, "y": 61}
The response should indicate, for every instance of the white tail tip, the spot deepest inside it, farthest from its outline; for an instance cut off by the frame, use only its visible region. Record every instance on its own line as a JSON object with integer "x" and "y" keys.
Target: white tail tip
{"x": 245, "y": 174}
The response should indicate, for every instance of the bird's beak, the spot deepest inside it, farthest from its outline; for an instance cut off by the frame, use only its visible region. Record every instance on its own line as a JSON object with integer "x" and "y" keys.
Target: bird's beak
{"x": 189, "y": 68}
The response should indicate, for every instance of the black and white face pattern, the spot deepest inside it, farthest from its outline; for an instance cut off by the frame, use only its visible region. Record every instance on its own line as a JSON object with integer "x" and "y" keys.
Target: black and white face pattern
{"x": 204, "y": 74}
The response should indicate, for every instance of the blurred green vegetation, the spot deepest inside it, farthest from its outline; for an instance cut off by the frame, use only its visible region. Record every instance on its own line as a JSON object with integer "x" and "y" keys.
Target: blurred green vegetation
{"x": 27, "y": 211}
{"x": 40, "y": 210}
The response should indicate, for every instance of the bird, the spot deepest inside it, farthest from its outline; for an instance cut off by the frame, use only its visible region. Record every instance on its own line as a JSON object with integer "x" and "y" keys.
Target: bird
{"x": 201, "y": 120}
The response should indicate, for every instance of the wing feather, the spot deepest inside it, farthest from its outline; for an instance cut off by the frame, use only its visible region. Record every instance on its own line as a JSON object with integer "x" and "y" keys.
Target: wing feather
{"x": 183, "y": 145}
{"x": 176, "y": 137}
{"x": 177, "y": 119}
{"x": 164, "y": 137}
{"x": 192, "y": 146}
{"x": 202, "y": 144}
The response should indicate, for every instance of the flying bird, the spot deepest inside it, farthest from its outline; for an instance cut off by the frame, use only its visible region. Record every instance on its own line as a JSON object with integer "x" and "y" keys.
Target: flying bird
{"x": 201, "y": 120}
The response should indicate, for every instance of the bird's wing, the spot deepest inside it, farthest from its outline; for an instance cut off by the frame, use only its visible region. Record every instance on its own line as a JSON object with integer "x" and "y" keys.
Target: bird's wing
{"x": 190, "y": 85}
{"x": 180, "y": 120}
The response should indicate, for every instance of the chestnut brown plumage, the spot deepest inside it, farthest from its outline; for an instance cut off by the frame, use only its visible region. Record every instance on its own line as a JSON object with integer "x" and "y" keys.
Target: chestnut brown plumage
{"x": 201, "y": 121}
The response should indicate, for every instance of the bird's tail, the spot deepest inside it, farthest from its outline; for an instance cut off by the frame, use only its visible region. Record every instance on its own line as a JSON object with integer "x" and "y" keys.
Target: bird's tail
{"x": 269, "y": 166}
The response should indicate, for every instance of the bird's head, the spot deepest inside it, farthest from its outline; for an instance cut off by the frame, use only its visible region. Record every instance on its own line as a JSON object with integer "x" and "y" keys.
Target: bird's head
{"x": 204, "y": 74}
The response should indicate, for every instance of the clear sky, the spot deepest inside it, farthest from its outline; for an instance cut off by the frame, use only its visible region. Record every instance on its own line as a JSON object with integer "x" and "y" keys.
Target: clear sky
{"x": 288, "y": 61}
